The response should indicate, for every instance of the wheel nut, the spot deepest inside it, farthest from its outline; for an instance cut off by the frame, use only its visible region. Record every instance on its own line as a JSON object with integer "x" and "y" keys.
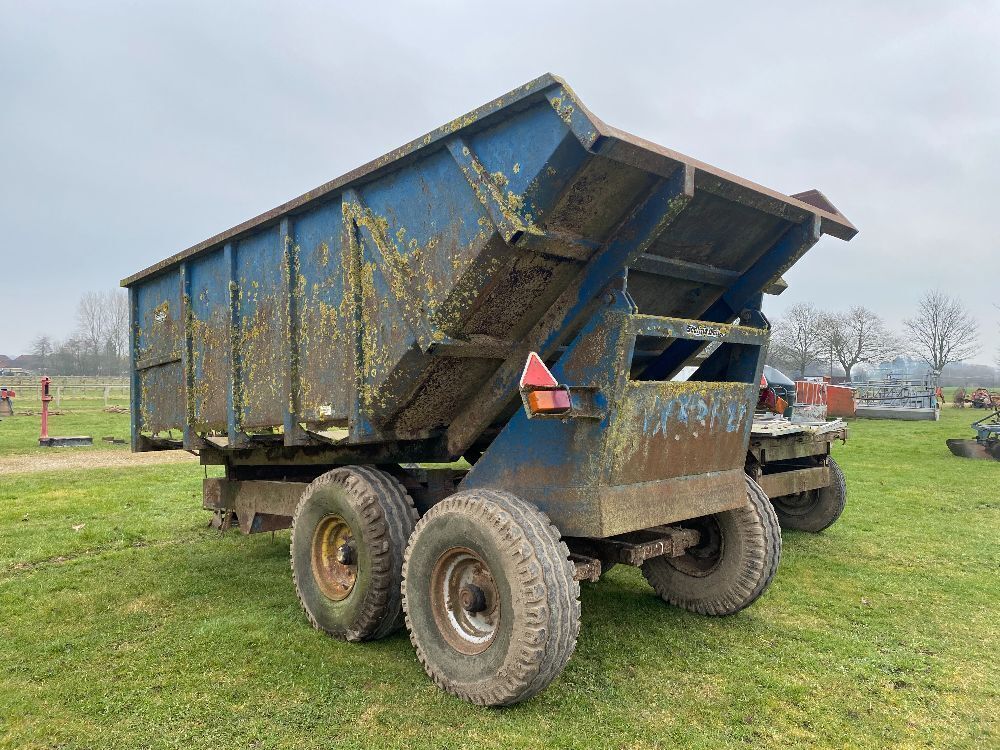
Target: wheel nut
{"x": 472, "y": 598}
{"x": 345, "y": 554}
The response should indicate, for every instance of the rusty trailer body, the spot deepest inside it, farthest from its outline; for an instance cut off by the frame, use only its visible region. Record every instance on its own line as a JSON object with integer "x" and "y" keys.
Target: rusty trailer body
{"x": 384, "y": 319}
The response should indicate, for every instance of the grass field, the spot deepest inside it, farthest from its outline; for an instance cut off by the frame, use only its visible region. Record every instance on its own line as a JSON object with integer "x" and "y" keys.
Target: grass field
{"x": 76, "y": 416}
{"x": 126, "y": 623}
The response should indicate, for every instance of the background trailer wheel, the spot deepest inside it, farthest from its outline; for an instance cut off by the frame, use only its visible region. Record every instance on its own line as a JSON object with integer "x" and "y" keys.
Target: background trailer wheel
{"x": 349, "y": 533}
{"x": 791, "y": 462}
{"x": 491, "y": 604}
{"x": 814, "y": 510}
{"x": 731, "y": 566}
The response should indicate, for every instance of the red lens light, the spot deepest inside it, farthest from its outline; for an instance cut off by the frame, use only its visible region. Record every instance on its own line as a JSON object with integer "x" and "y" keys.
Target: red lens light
{"x": 548, "y": 402}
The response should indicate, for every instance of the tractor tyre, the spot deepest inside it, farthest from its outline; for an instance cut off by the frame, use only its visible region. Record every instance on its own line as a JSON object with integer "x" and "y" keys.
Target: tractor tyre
{"x": 491, "y": 604}
{"x": 732, "y": 564}
{"x": 814, "y": 510}
{"x": 349, "y": 533}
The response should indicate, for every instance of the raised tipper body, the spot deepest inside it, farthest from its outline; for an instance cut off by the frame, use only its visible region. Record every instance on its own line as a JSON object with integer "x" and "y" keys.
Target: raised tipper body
{"x": 384, "y": 319}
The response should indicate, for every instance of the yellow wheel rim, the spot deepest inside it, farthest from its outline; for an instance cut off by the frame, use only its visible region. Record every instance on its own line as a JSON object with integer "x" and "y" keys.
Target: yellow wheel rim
{"x": 334, "y": 558}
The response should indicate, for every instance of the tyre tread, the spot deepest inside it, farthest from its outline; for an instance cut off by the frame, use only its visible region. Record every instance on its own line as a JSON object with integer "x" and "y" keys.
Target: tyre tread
{"x": 826, "y": 510}
{"x": 389, "y": 515}
{"x": 542, "y": 648}
{"x": 761, "y": 533}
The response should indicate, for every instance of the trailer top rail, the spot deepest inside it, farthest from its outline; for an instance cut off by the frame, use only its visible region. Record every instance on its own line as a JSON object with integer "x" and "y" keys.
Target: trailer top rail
{"x": 593, "y": 133}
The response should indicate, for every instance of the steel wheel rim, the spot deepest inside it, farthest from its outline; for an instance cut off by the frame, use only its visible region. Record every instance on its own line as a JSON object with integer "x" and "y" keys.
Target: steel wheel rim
{"x": 465, "y": 600}
{"x": 334, "y": 558}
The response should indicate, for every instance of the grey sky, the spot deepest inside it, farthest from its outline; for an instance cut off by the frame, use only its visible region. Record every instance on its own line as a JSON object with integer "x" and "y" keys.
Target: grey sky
{"x": 129, "y": 131}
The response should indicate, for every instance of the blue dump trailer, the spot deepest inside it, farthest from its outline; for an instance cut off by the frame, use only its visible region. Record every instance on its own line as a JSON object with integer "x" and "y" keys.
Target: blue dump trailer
{"x": 453, "y": 373}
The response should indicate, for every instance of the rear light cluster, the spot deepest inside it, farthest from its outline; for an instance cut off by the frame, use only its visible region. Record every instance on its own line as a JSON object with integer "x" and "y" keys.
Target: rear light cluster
{"x": 548, "y": 402}
{"x": 542, "y": 391}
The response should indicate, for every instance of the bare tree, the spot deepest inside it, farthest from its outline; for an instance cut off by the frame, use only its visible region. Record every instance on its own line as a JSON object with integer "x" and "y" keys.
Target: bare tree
{"x": 797, "y": 339}
{"x": 42, "y": 347}
{"x": 858, "y": 336}
{"x": 942, "y": 331}
{"x": 70, "y": 358}
{"x": 102, "y": 327}
{"x": 92, "y": 321}
{"x": 118, "y": 323}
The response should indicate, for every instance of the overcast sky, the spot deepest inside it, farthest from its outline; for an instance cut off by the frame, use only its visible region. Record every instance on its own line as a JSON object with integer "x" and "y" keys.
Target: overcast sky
{"x": 129, "y": 131}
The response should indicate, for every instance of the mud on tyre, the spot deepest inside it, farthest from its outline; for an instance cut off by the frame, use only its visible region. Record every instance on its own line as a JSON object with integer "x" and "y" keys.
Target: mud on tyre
{"x": 349, "y": 532}
{"x": 814, "y": 510}
{"x": 732, "y": 564}
{"x": 491, "y": 604}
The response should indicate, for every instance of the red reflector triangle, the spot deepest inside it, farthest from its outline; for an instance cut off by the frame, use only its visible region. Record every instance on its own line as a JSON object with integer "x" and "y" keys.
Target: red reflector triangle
{"x": 536, "y": 374}
{"x": 763, "y": 382}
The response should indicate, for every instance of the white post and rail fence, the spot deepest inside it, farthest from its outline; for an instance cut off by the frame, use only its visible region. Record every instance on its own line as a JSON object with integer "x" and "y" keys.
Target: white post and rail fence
{"x": 68, "y": 388}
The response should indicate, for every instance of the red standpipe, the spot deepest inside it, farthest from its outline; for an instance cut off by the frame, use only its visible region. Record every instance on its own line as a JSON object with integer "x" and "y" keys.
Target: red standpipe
{"x": 45, "y": 408}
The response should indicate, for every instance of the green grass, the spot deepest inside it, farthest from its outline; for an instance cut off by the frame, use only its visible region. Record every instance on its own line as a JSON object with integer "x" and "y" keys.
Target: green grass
{"x": 146, "y": 629}
{"x": 79, "y": 416}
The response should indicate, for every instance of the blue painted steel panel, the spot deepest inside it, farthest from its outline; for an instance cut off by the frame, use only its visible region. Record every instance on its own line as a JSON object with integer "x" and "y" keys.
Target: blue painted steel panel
{"x": 324, "y": 350}
{"x": 209, "y": 328}
{"x": 261, "y": 337}
{"x": 157, "y": 341}
{"x": 627, "y": 468}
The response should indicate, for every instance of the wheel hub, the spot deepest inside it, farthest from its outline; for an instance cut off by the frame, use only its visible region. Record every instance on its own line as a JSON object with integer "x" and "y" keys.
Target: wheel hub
{"x": 345, "y": 554}
{"x": 473, "y": 599}
{"x": 465, "y": 599}
{"x": 799, "y": 504}
{"x": 704, "y": 557}
{"x": 334, "y": 558}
